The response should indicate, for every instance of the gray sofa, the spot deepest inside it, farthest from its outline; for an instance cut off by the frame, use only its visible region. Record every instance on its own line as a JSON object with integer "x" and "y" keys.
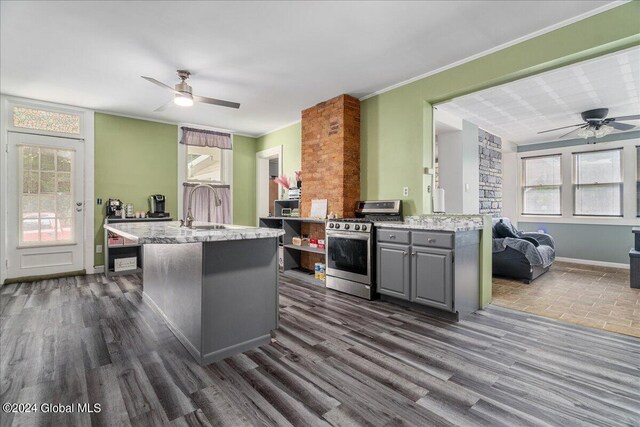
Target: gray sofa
{"x": 520, "y": 255}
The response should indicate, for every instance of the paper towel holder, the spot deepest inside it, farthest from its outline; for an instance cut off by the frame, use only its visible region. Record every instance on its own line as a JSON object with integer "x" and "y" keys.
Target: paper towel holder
{"x": 438, "y": 201}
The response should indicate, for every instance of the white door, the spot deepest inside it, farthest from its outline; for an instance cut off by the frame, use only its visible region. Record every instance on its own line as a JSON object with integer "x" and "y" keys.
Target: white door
{"x": 45, "y": 208}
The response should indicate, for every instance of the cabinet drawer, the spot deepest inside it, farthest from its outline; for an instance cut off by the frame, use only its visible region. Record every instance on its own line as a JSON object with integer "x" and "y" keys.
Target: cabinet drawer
{"x": 433, "y": 239}
{"x": 394, "y": 236}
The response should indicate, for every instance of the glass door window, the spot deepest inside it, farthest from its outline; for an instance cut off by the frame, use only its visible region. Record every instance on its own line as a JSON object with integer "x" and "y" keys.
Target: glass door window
{"x": 46, "y": 195}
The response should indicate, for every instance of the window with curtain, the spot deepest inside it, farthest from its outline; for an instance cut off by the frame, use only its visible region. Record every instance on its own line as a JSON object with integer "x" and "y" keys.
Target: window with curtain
{"x": 206, "y": 165}
{"x": 598, "y": 183}
{"x": 542, "y": 181}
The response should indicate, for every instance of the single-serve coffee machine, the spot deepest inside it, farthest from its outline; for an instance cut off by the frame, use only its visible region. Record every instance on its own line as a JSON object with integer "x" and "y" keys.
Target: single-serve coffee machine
{"x": 157, "y": 206}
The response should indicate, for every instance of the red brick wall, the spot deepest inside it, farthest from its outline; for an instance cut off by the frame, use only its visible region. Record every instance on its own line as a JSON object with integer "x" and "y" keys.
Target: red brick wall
{"x": 330, "y": 162}
{"x": 331, "y": 155}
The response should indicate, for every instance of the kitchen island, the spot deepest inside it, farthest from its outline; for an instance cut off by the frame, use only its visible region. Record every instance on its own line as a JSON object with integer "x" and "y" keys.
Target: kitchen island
{"x": 215, "y": 285}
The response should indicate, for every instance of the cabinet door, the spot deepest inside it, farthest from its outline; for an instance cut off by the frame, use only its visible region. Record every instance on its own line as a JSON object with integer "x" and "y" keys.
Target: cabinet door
{"x": 431, "y": 281}
{"x": 393, "y": 270}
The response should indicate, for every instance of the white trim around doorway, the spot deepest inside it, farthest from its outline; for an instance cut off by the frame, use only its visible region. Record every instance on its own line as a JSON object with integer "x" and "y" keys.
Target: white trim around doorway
{"x": 262, "y": 165}
{"x": 88, "y": 135}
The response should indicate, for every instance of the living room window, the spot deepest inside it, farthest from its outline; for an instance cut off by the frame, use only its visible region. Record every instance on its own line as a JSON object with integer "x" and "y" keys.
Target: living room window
{"x": 598, "y": 183}
{"x": 542, "y": 182}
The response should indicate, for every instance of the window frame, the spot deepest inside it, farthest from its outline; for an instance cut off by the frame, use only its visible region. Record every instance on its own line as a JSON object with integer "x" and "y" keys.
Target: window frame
{"x": 51, "y": 109}
{"x": 223, "y": 166}
{"x": 575, "y": 186}
{"x": 524, "y": 187}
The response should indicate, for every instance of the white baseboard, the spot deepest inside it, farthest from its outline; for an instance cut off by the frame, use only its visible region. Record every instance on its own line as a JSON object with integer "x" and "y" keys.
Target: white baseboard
{"x": 594, "y": 263}
{"x": 97, "y": 269}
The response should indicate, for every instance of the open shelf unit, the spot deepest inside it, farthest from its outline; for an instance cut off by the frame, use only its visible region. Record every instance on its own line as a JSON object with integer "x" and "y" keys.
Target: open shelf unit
{"x": 113, "y": 252}
{"x": 290, "y": 253}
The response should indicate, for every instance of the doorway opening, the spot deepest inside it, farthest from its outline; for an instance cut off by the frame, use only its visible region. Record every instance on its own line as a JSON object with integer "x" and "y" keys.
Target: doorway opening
{"x": 268, "y": 167}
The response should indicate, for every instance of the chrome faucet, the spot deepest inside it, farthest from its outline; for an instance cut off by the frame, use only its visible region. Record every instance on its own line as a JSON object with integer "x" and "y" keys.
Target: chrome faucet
{"x": 188, "y": 221}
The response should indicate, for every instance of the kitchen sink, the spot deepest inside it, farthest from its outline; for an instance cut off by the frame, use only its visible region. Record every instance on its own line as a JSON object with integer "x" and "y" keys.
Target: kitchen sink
{"x": 209, "y": 227}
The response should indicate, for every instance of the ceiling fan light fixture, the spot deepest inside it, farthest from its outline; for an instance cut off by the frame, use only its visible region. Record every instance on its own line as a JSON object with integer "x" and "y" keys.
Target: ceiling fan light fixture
{"x": 593, "y": 132}
{"x": 183, "y": 99}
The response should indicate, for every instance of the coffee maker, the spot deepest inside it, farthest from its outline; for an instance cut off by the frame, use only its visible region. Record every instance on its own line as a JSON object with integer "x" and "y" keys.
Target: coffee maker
{"x": 114, "y": 208}
{"x": 157, "y": 206}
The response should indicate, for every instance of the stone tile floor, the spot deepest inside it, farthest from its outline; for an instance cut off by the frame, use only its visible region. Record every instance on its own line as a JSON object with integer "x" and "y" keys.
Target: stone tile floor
{"x": 599, "y": 297}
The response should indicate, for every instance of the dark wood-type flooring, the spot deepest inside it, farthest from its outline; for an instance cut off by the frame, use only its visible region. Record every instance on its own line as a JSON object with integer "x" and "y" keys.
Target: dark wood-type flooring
{"x": 334, "y": 360}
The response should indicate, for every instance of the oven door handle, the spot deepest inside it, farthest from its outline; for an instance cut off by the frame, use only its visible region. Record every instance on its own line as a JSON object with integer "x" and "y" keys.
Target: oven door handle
{"x": 352, "y": 236}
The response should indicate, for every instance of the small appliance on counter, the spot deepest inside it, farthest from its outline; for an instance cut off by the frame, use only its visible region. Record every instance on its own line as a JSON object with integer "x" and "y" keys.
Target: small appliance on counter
{"x": 114, "y": 208}
{"x": 157, "y": 206}
{"x": 129, "y": 213}
{"x": 350, "y": 244}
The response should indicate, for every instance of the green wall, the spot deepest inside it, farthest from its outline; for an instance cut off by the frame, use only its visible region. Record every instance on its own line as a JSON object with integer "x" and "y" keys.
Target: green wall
{"x": 244, "y": 180}
{"x": 133, "y": 159}
{"x": 291, "y": 140}
{"x": 396, "y": 138}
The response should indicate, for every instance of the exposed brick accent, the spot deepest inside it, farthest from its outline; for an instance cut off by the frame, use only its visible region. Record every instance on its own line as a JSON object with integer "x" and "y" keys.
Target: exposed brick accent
{"x": 490, "y": 151}
{"x": 330, "y": 162}
{"x": 331, "y": 155}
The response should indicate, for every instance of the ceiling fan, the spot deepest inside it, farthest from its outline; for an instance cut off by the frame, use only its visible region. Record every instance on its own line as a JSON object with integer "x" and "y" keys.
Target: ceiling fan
{"x": 597, "y": 124}
{"x": 183, "y": 95}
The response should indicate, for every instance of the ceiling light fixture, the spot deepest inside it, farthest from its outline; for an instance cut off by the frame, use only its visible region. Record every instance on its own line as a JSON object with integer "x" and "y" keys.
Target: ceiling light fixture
{"x": 594, "y": 131}
{"x": 183, "y": 99}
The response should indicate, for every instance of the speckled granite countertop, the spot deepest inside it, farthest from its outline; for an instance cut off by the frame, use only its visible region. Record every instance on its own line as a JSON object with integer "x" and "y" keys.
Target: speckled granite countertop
{"x": 170, "y": 232}
{"x": 437, "y": 223}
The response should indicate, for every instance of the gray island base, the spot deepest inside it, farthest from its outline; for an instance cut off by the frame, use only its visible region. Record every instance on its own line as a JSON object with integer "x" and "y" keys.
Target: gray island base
{"x": 217, "y": 290}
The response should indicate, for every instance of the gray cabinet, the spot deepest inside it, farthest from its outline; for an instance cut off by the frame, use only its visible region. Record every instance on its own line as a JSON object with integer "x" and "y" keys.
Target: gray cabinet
{"x": 431, "y": 278}
{"x": 431, "y": 268}
{"x": 393, "y": 270}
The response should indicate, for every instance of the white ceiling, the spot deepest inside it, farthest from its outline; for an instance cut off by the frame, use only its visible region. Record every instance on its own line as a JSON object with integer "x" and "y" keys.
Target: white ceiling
{"x": 275, "y": 58}
{"x": 517, "y": 111}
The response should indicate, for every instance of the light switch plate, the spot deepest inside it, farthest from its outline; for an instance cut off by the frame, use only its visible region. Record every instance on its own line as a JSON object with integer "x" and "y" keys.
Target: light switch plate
{"x": 405, "y": 191}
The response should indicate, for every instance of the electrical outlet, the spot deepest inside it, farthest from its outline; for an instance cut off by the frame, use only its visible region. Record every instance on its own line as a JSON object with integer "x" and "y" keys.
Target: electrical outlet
{"x": 98, "y": 249}
{"x": 405, "y": 191}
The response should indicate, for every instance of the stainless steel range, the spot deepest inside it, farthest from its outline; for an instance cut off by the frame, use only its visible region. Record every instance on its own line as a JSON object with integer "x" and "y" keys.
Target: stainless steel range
{"x": 351, "y": 247}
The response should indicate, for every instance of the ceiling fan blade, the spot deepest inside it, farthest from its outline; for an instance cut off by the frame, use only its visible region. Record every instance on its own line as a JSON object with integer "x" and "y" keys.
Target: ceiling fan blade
{"x": 214, "y": 101}
{"x": 620, "y": 126}
{"x": 156, "y": 82}
{"x": 565, "y": 127}
{"x": 623, "y": 118}
{"x": 163, "y": 106}
{"x": 571, "y": 131}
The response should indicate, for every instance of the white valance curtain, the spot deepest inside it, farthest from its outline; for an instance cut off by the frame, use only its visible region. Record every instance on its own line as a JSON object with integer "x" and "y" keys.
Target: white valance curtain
{"x": 203, "y": 207}
{"x": 205, "y": 138}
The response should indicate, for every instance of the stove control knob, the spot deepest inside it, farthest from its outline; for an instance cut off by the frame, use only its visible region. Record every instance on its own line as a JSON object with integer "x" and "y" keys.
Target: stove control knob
{"x": 357, "y": 227}
{"x": 337, "y": 225}
{"x": 346, "y": 226}
{"x": 364, "y": 228}
{"x": 331, "y": 225}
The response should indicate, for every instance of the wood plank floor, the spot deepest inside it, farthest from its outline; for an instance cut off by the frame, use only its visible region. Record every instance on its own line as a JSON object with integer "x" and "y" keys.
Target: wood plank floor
{"x": 334, "y": 360}
{"x": 599, "y": 297}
